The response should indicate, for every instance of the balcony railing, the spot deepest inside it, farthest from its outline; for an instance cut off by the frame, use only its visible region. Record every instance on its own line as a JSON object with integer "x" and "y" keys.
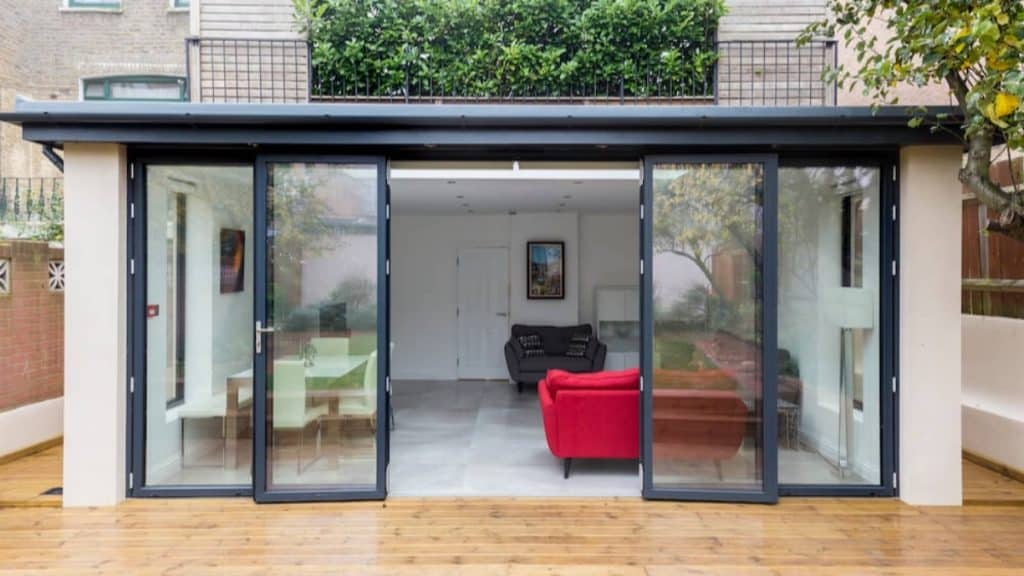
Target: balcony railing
{"x": 776, "y": 73}
{"x": 248, "y": 70}
{"x": 746, "y": 73}
{"x": 26, "y": 200}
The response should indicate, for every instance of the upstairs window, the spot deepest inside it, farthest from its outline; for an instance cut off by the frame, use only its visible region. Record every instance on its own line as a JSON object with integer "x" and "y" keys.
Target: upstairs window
{"x": 144, "y": 88}
{"x": 101, "y": 4}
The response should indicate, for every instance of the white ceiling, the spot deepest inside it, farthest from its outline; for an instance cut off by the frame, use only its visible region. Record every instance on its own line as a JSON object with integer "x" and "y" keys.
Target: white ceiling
{"x": 444, "y": 189}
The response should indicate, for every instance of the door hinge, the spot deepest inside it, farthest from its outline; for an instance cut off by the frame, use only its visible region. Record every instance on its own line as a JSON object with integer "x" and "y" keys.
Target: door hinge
{"x": 387, "y": 477}
{"x": 131, "y": 209}
{"x": 893, "y": 267}
{"x": 641, "y": 477}
{"x": 641, "y": 383}
{"x": 387, "y": 211}
{"x": 131, "y": 480}
{"x": 893, "y": 212}
{"x": 641, "y": 266}
{"x": 131, "y": 385}
{"x": 893, "y": 173}
{"x": 387, "y": 267}
{"x": 895, "y": 481}
{"x": 893, "y": 384}
{"x": 131, "y": 266}
{"x": 131, "y": 171}
{"x": 387, "y": 384}
{"x": 641, "y": 211}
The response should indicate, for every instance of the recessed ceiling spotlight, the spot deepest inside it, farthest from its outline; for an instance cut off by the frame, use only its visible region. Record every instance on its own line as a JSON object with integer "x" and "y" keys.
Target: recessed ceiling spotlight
{"x": 577, "y": 181}
{"x": 460, "y": 196}
{"x": 511, "y": 212}
{"x": 561, "y": 204}
{"x": 470, "y": 211}
{"x": 567, "y": 196}
{"x": 465, "y": 204}
{"x": 451, "y": 181}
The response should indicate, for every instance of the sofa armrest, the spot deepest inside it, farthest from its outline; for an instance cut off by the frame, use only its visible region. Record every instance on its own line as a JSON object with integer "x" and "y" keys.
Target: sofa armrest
{"x": 512, "y": 357}
{"x": 550, "y": 415}
{"x": 599, "y": 356}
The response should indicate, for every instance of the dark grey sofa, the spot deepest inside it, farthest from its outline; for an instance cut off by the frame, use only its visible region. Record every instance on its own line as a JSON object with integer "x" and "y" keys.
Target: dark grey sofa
{"x": 555, "y": 341}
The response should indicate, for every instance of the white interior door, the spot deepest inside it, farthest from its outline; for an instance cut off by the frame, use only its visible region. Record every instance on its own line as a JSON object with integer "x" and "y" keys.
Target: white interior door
{"x": 483, "y": 312}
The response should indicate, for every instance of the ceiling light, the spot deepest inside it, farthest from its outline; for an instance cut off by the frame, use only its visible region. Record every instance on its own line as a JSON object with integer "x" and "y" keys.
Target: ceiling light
{"x": 561, "y": 204}
{"x": 451, "y": 181}
{"x": 465, "y": 205}
{"x": 567, "y": 196}
{"x": 460, "y": 196}
{"x": 577, "y": 181}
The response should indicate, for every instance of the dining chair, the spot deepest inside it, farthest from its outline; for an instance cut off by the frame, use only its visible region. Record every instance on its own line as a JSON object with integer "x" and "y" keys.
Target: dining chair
{"x": 292, "y": 412}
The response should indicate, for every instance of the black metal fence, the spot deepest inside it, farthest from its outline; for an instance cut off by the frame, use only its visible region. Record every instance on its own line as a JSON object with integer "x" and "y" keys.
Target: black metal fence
{"x": 31, "y": 199}
{"x": 248, "y": 70}
{"x": 744, "y": 73}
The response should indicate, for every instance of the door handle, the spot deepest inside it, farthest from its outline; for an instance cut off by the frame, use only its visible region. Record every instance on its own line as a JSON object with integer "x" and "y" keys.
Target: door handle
{"x": 260, "y": 331}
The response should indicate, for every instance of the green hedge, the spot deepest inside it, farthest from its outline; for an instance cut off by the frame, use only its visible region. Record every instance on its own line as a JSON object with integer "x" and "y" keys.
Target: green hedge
{"x": 502, "y": 48}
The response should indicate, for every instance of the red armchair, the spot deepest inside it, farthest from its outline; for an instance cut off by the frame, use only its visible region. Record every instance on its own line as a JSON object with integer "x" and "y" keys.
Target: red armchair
{"x": 594, "y": 415}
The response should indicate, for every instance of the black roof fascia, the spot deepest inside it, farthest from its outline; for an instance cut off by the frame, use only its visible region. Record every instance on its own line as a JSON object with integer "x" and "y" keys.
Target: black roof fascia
{"x": 468, "y": 124}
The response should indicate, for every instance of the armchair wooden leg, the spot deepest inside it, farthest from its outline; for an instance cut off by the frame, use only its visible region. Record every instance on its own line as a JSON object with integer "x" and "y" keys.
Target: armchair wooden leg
{"x": 568, "y": 464}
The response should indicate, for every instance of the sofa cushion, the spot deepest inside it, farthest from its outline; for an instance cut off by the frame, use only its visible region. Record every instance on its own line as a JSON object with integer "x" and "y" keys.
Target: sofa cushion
{"x": 542, "y": 364}
{"x": 628, "y": 379}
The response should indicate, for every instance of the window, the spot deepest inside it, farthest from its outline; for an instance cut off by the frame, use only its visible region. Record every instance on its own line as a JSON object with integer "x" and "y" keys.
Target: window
{"x": 180, "y": 3}
{"x": 102, "y": 4}
{"x": 162, "y": 88}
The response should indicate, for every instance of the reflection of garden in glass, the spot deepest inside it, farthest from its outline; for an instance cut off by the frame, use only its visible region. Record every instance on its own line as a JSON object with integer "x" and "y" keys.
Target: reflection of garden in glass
{"x": 707, "y": 324}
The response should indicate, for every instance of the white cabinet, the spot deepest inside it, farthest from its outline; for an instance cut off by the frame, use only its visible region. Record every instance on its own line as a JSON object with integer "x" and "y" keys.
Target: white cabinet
{"x": 618, "y": 325}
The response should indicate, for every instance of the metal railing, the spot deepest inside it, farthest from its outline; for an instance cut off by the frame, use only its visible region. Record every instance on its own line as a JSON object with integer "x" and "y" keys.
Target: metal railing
{"x": 776, "y": 73}
{"x": 31, "y": 199}
{"x": 745, "y": 73}
{"x": 248, "y": 70}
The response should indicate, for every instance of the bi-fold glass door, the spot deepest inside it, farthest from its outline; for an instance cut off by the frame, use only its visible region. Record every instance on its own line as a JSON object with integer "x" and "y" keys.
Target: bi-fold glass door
{"x": 709, "y": 376}
{"x": 320, "y": 331}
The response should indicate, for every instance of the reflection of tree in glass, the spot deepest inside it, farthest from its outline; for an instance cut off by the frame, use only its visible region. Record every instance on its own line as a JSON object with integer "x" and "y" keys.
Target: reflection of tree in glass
{"x": 709, "y": 213}
{"x": 299, "y": 225}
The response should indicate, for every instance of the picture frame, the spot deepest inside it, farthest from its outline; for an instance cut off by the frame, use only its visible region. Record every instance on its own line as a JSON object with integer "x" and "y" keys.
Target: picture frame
{"x": 232, "y": 260}
{"x": 545, "y": 270}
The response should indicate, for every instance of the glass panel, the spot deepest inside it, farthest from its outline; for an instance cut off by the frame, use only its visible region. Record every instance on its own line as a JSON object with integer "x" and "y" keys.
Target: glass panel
{"x": 169, "y": 89}
{"x": 707, "y": 396}
{"x": 198, "y": 336}
{"x": 94, "y": 89}
{"x": 322, "y": 359}
{"x": 829, "y": 354}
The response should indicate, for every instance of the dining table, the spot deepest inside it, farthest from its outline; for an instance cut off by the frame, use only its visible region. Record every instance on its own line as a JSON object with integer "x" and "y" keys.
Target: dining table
{"x": 324, "y": 383}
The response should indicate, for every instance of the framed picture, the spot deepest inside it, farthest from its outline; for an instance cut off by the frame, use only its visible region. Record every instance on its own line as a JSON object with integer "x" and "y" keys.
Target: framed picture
{"x": 232, "y": 260}
{"x": 545, "y": 270}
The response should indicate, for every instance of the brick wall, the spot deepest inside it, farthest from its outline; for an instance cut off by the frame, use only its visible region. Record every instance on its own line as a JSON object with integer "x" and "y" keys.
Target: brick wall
{"x": 31, "y": 327}
{"x": 46, "y": 49}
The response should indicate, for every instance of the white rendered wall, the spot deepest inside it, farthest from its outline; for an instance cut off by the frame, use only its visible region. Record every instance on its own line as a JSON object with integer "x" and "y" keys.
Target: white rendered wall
{"x": 31, "y": 424}
{"x": 95, "y": 254}
{"x": 930, "y": 326}
{"x": 993, "y": 402}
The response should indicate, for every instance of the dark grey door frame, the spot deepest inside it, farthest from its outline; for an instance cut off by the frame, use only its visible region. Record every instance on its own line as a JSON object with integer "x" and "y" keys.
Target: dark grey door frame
{"x": 261, "y": 262}
{"x": 769, "y": 258}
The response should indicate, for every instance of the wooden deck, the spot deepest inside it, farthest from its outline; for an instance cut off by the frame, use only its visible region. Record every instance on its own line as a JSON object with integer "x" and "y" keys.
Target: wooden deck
{"x": 514, "y": 537}
{"x": 24, "y": 479}
{"x": 517, "y": 537}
